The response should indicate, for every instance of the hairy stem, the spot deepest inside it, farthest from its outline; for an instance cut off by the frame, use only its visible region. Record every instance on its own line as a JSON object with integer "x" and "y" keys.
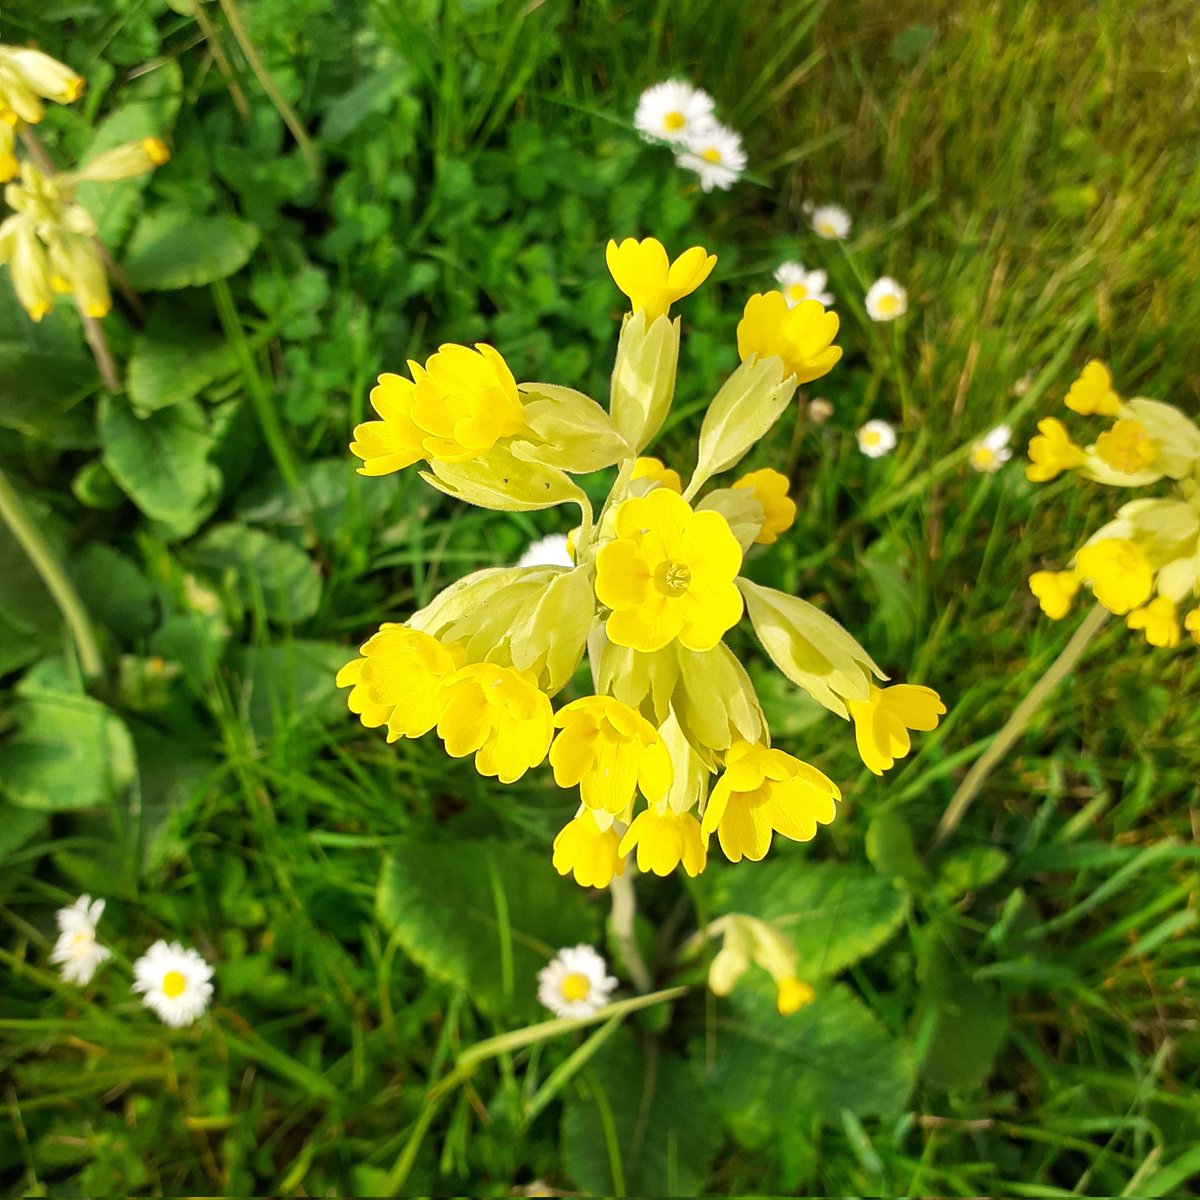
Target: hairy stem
{"x": 624, "y": 913}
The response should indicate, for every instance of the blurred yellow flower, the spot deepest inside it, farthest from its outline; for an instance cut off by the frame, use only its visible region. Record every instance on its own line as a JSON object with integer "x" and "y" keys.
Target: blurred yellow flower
{"x": 588, "y": 852}
{"x": 770, "y": 489}
{"x": 1127, "y": 447}
{"x": 643, "y": 272}
{"x": 794, "y": 994}
{"x": 1192, "y": 624}
{"x": 882, "y": 722}
{"x": 1118, "y": 572}
{"x": 802, "y": 336}
{"x": 1051, "y": 451}
{"x": 1054, "y": 591}
{"x": 1158, "y": 621}
{"x": 665, "y": 839}
{"x": 654, "y": 470}
{"x": 27, "y": 77}
{"x": 1092, "y": 393}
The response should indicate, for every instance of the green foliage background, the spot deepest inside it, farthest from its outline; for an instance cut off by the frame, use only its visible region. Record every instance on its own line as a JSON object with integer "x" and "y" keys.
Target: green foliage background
{"x": 1013, "y": 1012}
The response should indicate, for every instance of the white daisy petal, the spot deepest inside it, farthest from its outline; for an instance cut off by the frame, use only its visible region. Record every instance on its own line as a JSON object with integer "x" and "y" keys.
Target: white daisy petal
{"x": 797, "y": 284}
{"x": 174, "y": 983}
{"x": 550, "y": 551}
{"x": 715, "y": 153}
{"x": 990, "y": 452}
{"x": 831, "y": 222}
{"x": 669, "y": 111}
{"x": 76, "y": 951}
{"x": 886, "y": 300}
{"x": 876, "y": 438}
{"x": 575, "y": 983}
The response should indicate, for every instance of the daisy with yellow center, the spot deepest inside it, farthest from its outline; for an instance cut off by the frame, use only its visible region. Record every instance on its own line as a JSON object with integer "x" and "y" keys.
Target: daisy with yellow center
{"x": 651, "y": 281}
{"x": 886, "y": 300}
{"x": 876, "y": 438}
{"x": 831, "y": 222}
{"x": 668, "y": 111}
{"x": 575, "y": 983}
{"x": 882, "y": 722}
{"x": 715, "y": 153}
{"x": 802, "y": 336}
{"x": 770, "y": 489}
{"x": 668, "y": 573}
{"x": 77, "y": 952}
{"x": 589, "y": 852}
{"x": 797, "y": 284}
{"x": 174, "y": 982}
{"x": 991, "y": 451}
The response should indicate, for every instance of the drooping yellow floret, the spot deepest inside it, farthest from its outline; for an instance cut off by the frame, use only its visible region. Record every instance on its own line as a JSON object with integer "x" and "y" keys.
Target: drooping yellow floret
{"x": 1158, "y": 620}
{"x": 1120, "y": 577}
{"x": 1127, "y": 447}
{"x": 655, "y": 469}
{"x": 1092, "y": 393}
{"x": 1054, "y": 591}
{"x": 669, "y": 574}
{"x": 28, "y": 76}
{"x": 499, "y": 715}
{"x": 643, "y": 272}
{"x": 882, "y": 722}
{"x": 762, "y": 792}
{"x": 664, "y": 839}
{"x": 1051, "y": 451}
{"x": 770, "y": 489}
{"x": 588, "y": 852}
{"x": 609, "y": 749}
{"x": 794, "y": 994}
{"x": 801, "y": 336}
{"x": 1192, "y": 624}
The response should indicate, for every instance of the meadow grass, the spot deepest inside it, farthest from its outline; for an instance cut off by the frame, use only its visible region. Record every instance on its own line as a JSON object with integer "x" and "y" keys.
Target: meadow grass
{"x": 1029, "y": 172}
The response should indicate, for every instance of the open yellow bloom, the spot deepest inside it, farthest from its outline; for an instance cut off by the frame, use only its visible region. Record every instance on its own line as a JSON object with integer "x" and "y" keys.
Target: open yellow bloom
{"x": 763, "y": 792}
{"x": 499, "y": 715}
{"x": 669, "y": 574}
{"x": 1192, "y": 624}
{"x": 28, "y": 76}
{"x": 664, "y": 839}
{"x": 1092, "y": 393}
{"x": 1158, "y": 620}
{"x": 1054, "y": 591}
{"x": 588, "y": 852}
{"x": 1127, "y": 447}
{"x": 609, "y": 749}
{"x": 794, "y": 994}
{"x": 1120, "y": 577}
{"x": 770, "y": 489}
{"x": 1051, "y": 451}
{"x": 8, "y": 144}
{"x": 642, "y": 271}
{"x": 801, "y": 336}
{"x": 454, "y": 409}
{"x": 882, "y": 722}
{"x": 655, "y": 469}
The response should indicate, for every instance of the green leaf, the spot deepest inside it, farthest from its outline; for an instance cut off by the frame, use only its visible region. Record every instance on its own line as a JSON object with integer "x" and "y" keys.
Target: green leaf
{"x": 834, "y": 914}
{"x": 265, "y": 569}
{"x": 18, "y": 826}
{"x": 892, "y": 852}
{"x": 173, "y": 248}
{"x": 165, "y": 370}
{"x": 161, "y": 462}
{"x": 30, "y": 622}
{"x": 114, "y": 591}
{"x": 482, "y": 915}
{"x": 639, "y": 1124}
{"x": 968, "y": 870}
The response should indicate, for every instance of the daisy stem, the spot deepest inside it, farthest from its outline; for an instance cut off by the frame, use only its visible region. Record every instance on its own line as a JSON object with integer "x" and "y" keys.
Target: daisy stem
{"x": 17, "y": 517}
{"x": 1012, "y": 729}
{"x": 624, "y": 914}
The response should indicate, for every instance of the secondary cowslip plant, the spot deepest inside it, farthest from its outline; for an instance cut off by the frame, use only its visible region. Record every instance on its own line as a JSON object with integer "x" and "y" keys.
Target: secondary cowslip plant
{"x": 672, "y": 747}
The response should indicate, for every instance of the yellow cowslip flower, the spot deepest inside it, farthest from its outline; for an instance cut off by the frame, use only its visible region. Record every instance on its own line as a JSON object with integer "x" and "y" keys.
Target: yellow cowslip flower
{"x": 588, "y": 852}
{"x": 643, "y": 272}
{"x": 8, "y": 145}
{"x": 801, "y": 336}
{"x": 664, "y": 839}
{"x": 1092, "y": 393}
{"x": 770, "y": 489}
{"x": 77, "y": 268}
{"x": 1192, "y": 624}
{"x": 668, "y": 573}
{"x": 1054, "y": 591}
{"x": 794, "y": 994}
{"x": 1127, "y": 447}
{"x": 398, "y": 680}
{"x": 125, "y": 162}
{"x": 654, "y": 470}
{"x": 1158, "y": 621}
{"x": 22, "y": 249}
{"x": 28, "y": 76}
{"x": 765, "y": 791}
{"x": 454, "y": 409}
{"x": 499, "y": 715}
{"x": 1118, "y": 572}
{"x": 1052, "y": 451}
{"x": 882, "y": 722}
{"x": 609, "y": 750}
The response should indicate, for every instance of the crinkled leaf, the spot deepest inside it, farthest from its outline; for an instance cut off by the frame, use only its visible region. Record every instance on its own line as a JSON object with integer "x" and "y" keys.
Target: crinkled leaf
{"x": 265, "y": 568}
{"x": 173, "y": 248}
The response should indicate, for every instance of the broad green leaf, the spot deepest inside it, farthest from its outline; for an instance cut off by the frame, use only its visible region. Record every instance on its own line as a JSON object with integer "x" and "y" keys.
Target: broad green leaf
{"x": 164, "y": 369}
{"x": 265, "y": 569}
{"x": 482, "y": 915}
{"x": 968, "y": 870}
{"x": 173, "y": 248}
{"x": 892, "y": 852}
{"x": 834, "y": 914}
{"x": 30, "y": 622}
{"x": 664, "y": 1130}
{"x": 114, "y": 591}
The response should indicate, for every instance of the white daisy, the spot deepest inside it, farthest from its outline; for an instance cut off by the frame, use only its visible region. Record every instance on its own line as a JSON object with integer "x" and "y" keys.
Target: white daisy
{"x": 991, "y": 451}
{"x": 831, "y": 222}
{"x": 715, "y": 153}
{"x": 575, "y": 982}
{"x": 876, "y": 438}
{"x": 174, "y": 982}
{"x": 550, "y": 551}
{"x": 797, "y": 284}
{"x": 886, "y": 300}
{"x": 669, "y": 111}
{"x": 77, "y": 952}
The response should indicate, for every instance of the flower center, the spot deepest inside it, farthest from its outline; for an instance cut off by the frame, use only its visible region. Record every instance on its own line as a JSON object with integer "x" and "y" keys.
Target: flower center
{"x": 672, "y": 578}
{"x": 673, "y": 122}
{"x": 871, "y": 437}
{"x": 173, "y": 984}
{"x": 711, "y": 155}
{"x": 797, "y": 291}
{"x": 888, "y": 304}
{"x": 575, "y": 987}
{"x": 983, "y": 456}
{"x": 828, "y": 229}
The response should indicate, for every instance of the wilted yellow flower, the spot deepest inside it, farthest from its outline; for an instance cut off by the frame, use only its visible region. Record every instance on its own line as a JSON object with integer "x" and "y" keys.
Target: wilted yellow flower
{"x": 1117, "y": 570}
{"x": 770, "y": 488}
{"x": 1054, "y": 591}
{"x": 609, "y": 750}
{"x": 801, "y": 336}
{"x": 1051, "y": 451}
{"x": 1127, "y": 447}
{"x": 499, "y": 715}
{"x": 588, "y": 852}
{"x": 1158, "y": 621}
{"x": 766, "y": 791}
{"x": 668, "y": 573}
{"x": 643, "y": 272}
{"x": 1092, "y": 393}
{"x": 654, "y": 470}
{"x": 664, "y": 839}
{"x": 882, "y": 722}
{"x": 794, "y": 994}
{"x": 28, "y": 76}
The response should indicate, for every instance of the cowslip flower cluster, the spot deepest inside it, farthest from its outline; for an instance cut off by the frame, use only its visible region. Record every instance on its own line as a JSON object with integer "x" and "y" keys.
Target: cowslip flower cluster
{"x": 684, "y": 117}
{"x": 1143, "y": 565}
{"x": 27, "y": 77}
{"x": 670, "y": 747}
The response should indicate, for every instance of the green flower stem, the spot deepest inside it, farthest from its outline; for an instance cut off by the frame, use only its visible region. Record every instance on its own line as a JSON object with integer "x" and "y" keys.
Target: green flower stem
{"x": 1058, "y": 670}
{"x": 624, "y": 913}
{"x": 16, "y": 516}
{"x": 97, "y": 342}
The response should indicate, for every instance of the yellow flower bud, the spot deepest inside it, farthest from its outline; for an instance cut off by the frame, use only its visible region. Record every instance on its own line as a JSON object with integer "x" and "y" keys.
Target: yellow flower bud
{"x": 658, "y": 473}
{"x": 125, "y": 162}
